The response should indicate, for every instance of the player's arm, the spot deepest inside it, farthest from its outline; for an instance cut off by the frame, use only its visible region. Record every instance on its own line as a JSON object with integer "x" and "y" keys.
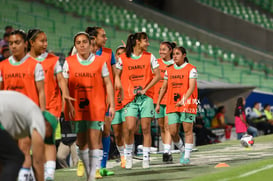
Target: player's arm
{"x": 192, "y": 83}
{"x": 38, "y": 155}
{"x": 109, "y": 89}
{"x": 156, "y": 78}
{"x": 156, "y": 71}
{"x": 163, "y": 91}
{"x": 39, "y": 82}
{"x": 41, "y": 94}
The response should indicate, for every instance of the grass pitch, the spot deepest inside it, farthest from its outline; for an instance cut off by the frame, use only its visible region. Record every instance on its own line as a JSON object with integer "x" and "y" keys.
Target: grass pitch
{"x": 255, "y": 163}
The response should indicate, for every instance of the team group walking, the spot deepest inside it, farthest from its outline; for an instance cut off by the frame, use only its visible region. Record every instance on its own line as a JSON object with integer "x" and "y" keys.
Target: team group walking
{"x": 100, "y": 90}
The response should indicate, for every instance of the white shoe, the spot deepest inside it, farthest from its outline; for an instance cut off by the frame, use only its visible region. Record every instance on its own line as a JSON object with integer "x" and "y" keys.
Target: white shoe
{"x": 146, "y": 164}
{"x": 129, "y": 162}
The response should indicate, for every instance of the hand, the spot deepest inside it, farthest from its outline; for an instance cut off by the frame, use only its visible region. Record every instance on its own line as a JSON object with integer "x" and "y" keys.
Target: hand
{"x": 123, "y": 43}
{"x": 141, "y": 92}
{"x": 121, "y": 96}
{"x": 180, "y": 103}
{"x": 157, "y": 108}
{"x": 68, "y": 98}
{"x": 71, "y": 110}
{"x": 112, "y": 112}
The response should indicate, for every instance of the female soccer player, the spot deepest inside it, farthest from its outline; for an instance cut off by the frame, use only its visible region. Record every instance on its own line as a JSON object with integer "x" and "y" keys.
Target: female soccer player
{"x": 88, "y": 81}
{"x": 136, "y": 68}
{"x": 181, "y": 86}
{"x": 166, "y": 54}
{"x": 106, "y": 53}
{"x": 37, "y": 43}
{"x": 117, "y": 122}
{"x": 22, "y": 73}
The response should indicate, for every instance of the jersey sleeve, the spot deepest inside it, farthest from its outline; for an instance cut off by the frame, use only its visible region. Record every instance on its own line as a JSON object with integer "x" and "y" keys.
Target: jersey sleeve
{"x": 39, "y": 72}
{"x": 65, "y": 70}
{"x": 105, "y": 71}
{"x": 113, "y": 59}
{"x": 154, "y": 62}
{"x": 119, "y": 64}
{"x": 37, "y": 122}
{"x": 193, "y": 74}
{"x": 58, "y": 68}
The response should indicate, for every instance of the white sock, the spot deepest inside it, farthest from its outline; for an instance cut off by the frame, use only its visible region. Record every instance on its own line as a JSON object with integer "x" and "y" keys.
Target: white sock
{"x": 128, "y": 150}
{"x": 50, "y": 169}
{"x": 188, "y": 149}
{"x": 146, "y": 153}
{"x": 95, "y": 157}
{"x": 31, "y": 175}
{"x": 167, "y": 148}
{"x": 24, "y": 174}
{"x": 84, "y": 156}
{"x": 121, "y": 150}
{"x": 179, "y": 145}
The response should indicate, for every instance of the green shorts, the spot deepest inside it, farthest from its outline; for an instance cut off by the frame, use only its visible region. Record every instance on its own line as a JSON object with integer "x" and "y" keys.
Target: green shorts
{"x": 83, "y": 126}
{"x": 162, "y": 112}
{"x": 141, "y": 106}
{"x": 119, "y": 117}
{"x": 179, "y": 117}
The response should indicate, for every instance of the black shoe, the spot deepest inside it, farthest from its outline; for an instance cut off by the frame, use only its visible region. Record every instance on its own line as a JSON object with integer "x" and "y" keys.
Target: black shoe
{"x": 167, "y": 157}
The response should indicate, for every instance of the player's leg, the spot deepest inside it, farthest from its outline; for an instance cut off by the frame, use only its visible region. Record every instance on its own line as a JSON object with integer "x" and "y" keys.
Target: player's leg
{"x": 174, "y": 125}
{"x": 11, "y": 157}
{"x": 50, "y": 165}
{"x": 188, "y": 130}
{"x": 130, "y": 114}
{"x": 146, "y": 114}
{"x": 82, "y": 142}
{"x": 95, "y": 148}
{"x": 168, "y": 141}
{"x": 106, "y": 146}
{"x": 118, "y": 133}
{"x": 24, "y": 145}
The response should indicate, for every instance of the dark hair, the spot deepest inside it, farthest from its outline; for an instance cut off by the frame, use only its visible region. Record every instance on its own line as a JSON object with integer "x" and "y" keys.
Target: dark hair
{"x": 170, "y": 45}
{"x": 255, "y": 103}
{"x": 6, "y": 35}
{"x": 83, "y": 33}
{"x": 183, "y": 51}
{"x": 131, "y": 41}
{"x": 8, "y": 27}
{"x": 266, "y": 105}
{"x": 120, "y": 47}
{"x": 239, "y": 104}
{"x": 220, "y": 109}
{"x": 19, "y": 32}
{"x": 32, "y": 35}
{"x": 93, "y": 31}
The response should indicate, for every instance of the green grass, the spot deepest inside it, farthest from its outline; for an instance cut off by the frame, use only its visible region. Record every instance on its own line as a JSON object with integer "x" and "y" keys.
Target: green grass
{"x": 257, "y": 160}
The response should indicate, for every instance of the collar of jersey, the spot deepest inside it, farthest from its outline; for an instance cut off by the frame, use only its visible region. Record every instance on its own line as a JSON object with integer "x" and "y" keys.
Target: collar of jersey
{"x": 14, "y": 62}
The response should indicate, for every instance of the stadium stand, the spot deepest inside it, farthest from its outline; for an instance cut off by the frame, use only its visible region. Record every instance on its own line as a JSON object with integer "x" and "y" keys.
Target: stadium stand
{"x": 62, "y": 19}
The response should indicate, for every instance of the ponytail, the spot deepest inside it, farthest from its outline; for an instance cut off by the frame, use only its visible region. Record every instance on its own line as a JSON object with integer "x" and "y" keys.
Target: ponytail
{"x": 130, "y": 44}
{"x": 131, "y": 41}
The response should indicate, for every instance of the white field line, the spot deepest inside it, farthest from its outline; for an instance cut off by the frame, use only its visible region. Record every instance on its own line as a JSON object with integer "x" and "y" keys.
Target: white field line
{"x": 249, "y": 173}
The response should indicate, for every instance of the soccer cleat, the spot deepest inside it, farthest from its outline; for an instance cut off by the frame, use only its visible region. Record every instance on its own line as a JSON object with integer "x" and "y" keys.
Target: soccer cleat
{"x": 167, "y": 158}
{"x": 98, "y": 175}
{"x": 146, "y": 164}
{"x": 129, "y": 162}
{"x": 182, "y": 157}
{"x": 80, "y": 169}
{"x": 105, "y": 172}
{"x": 186, "y": 161}
{"x": 122, "y": 162}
